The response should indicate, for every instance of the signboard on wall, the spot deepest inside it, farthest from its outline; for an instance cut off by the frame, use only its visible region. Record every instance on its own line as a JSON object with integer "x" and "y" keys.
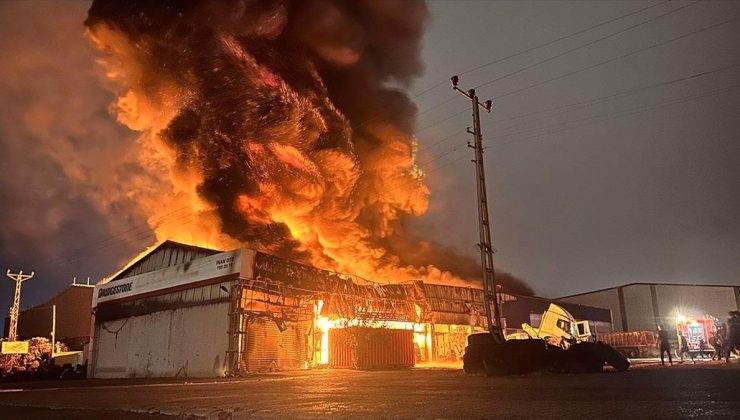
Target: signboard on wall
{"x": 237, "y": 262}
{"x": 15, "y": 347}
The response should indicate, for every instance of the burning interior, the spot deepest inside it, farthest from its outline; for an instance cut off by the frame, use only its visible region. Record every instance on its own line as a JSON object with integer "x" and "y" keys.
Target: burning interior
{"x": 343, "y": 321}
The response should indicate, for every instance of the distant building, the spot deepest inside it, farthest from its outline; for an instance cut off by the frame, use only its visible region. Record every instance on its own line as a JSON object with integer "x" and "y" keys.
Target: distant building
{"x": 641, "y": 306}
{"x": 73, "y": 317}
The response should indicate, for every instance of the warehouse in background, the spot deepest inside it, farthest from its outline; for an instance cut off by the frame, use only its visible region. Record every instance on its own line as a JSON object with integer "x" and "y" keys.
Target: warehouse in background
{"x": 641, "y": 306}
{"x": 73, "y": 317}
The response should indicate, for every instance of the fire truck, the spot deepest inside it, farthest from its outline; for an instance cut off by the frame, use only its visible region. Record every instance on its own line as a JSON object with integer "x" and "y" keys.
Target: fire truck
{"x": 695, "y": 329}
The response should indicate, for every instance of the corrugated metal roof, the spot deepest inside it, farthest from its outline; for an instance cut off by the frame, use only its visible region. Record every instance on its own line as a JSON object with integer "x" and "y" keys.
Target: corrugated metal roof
{"x": 165, "y": 254}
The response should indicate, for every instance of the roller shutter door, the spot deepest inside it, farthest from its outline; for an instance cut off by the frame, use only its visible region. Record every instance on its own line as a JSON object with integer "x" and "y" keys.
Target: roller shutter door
{"x": 264, "y": 348}
{"x": 371, "y": 348}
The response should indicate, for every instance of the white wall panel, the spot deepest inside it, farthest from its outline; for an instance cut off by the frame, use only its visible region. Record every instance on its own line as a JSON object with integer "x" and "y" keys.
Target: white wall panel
{"x": 111, "y": 348}
{"x": 188, "y": 342}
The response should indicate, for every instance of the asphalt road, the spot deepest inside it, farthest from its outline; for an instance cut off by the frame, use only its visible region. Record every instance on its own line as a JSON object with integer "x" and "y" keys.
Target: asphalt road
{"x": 705, "y": 390}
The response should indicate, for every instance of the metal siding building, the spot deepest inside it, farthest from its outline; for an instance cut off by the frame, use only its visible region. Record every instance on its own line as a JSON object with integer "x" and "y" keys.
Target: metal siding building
{"x": 641, "y": 306}
{"x": 73, "y": 317}
{"x": 165, "y": 314}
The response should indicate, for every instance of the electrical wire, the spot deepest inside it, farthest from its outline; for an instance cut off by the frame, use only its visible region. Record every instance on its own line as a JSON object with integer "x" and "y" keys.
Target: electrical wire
{"x": 615, "y": 95}
{"x": 601, "y": 63}
{"x": 588, "y": 44}
{"x": 627, "y": 112}
{"x": 546, "y": 44}
{"x": 610, "y": 60}
{"x": 604, "y": 117}
{"x": 593, "y": 101}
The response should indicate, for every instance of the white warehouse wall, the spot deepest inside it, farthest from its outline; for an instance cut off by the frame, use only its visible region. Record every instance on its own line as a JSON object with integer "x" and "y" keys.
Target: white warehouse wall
{"x": 638, "y": 306}
{"x": 188, "y": 342}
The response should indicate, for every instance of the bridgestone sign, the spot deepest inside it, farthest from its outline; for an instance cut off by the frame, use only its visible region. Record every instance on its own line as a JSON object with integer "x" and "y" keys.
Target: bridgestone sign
{"x": 239, "y": 262}
{"x": 114, "y": 290}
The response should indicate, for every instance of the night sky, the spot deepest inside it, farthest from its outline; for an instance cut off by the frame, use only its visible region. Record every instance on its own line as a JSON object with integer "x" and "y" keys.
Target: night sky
{"x": 613, "y": 163}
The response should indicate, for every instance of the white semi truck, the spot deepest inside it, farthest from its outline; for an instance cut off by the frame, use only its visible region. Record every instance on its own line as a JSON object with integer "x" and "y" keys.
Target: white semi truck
{"x": 558, "y": 327}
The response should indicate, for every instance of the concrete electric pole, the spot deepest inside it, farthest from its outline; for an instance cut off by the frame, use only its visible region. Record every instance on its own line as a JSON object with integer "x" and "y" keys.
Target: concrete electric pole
{"x": 53, "y": 330}
{"x": 484, "y": 224}
{"x": 15, "y": 309}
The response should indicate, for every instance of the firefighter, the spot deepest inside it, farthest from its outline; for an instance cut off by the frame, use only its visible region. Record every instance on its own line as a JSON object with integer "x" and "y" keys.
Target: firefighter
{"x": 663, "y": 344}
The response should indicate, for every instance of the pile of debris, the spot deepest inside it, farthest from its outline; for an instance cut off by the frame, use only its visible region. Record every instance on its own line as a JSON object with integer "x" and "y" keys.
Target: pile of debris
{"x": 37, "y": 363}
{"x": 486, "y": 354}
{"x": 560, "y": 344}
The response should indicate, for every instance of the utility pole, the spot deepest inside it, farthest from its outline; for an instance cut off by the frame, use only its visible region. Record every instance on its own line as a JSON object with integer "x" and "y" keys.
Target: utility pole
{"x": 484, "y": 224}
{"x": 53, "y": 329}
{"x": 15, "y": 309}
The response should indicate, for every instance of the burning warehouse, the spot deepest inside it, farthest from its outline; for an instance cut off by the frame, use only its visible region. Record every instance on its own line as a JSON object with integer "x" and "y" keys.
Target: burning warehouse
{"x": 181, "y": 310}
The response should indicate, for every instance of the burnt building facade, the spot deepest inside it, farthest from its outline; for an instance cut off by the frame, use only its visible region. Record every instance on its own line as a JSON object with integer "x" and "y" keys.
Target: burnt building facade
{"x": 187, "y": 311}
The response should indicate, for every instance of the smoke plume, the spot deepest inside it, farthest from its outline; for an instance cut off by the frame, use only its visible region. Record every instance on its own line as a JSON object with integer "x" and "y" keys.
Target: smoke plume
{"x": 282, "y": 125}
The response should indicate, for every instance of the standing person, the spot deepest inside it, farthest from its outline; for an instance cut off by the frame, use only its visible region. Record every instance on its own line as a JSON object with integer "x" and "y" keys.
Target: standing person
{"x": 722, "y": 331}
{"x": 683, "y": 347}
{"x": 663, "y": 344}
{"x": 701, "y": 348}
{"x": 733, "y": 334}
{"x": 719, "y": 345}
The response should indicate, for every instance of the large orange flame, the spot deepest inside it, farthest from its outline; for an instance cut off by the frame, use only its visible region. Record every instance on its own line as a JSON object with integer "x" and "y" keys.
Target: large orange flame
{"x": 251, "y": 135}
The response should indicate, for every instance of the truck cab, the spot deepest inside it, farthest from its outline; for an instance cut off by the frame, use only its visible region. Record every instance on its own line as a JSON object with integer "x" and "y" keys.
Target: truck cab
{"x": 558, "y": 327}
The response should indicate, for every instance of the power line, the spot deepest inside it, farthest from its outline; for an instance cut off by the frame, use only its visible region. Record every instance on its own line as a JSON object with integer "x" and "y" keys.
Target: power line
{"x": 440, "y": 122}
{"x": 613, "y": 34}
{"x": 440, "y": 104}
{"x": 600, "y": 118}
{"x": 622, "y": 93}
{"x": 456, "y": 133}
{"x": 548, "y": 43}
{"x": 655, "y": 45}
{"x": 603, "y": 100}
{"x": 581, "y": 104}
{"x": 121, "y": 236}
{"x": 623, "y": 113}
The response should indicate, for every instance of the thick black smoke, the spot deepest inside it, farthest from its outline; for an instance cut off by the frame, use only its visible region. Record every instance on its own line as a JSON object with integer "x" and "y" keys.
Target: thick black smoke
{"x": 231, "y": 58}
{"x": 289, "y": 115}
